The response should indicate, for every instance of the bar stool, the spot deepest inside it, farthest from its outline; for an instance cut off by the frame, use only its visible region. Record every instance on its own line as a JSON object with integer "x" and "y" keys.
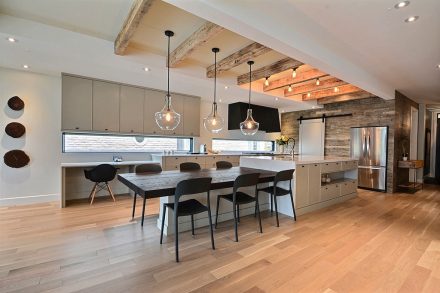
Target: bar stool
{"x": 189, "y": 166}
{"x": 100, "y": 175}
{"x": 275, "y": 191}
{"x": 140, "y": 169}
{"x": 188, "y": 207}
{"x": 223, "y": 165}
{"x": 238, "y": 198}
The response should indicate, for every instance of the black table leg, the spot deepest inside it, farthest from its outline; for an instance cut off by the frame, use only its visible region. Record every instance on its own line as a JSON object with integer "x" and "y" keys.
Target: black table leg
{"x": 143, "y": 211}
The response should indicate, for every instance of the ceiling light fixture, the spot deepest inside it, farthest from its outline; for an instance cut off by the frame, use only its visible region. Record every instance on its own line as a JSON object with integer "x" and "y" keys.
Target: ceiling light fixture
{"x": 249, "y": 126}
{"x": 25, "y": 66}
{"x": 438, "y": 66}
{"x": 294, "y": 72}
{"x": 266, "y": 82}
{"x": 412, "y": 19}
{"x": 317, "y": 81}
{"x": 336, "y": 89}
{"x": 12, "y": 40}
{"x": 214, "y": 122}
{"x": 309, "y": 95}
{"x": 401, "y": 4}
{"x": 289, "y": 88}
{"x": 167, "y": 118}
{"x": 226, "y": 87}
{"x": 146, "y": 69}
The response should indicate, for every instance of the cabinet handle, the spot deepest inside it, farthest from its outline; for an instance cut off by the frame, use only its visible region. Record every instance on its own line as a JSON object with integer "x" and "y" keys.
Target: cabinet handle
{"x": 106, "y": 129}
{"x": 76, "y": 127}
{"x": 131, "y": 130}
{"x": 154, "y": 132}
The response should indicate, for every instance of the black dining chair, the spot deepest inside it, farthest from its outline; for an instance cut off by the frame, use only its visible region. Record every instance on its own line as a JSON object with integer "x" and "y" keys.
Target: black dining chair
{"x": 238, "y": 198}
{"x": 223, "y": 165}
{"x": 101, "y": 175}
{"x": 276, "y": 191}
{"x": 140, "y": 169}
{"x": 189, "y": 166}
{"x": 188, "y": 207}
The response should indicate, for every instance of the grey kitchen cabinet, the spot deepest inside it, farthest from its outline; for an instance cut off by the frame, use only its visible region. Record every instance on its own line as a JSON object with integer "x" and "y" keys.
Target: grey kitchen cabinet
{"x": 191, "y": 116}
{"x": 302, "y": 186}
{"x": 314, "y": 183}
{"x": 76, "y": 103}
{"x": 131, "y": 115}
{"x": 154, "y": 102}
{"x": 177, "y": 104}
{"x": 105, "y": 106}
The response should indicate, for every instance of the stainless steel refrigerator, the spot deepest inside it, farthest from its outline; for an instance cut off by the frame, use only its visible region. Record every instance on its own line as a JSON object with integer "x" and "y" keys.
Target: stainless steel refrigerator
{"x": 369, "y": 145}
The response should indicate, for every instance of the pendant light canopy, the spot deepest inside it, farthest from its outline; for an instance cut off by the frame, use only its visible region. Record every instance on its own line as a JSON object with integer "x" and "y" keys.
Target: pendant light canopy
{"x": 249, "y": 126}
{"x": 214, "y": 123}
{"x": 167, "y": 118}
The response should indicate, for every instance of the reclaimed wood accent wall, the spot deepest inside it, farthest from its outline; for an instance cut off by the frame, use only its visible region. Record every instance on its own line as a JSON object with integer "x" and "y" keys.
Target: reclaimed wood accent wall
{"x": 366, "y": 112}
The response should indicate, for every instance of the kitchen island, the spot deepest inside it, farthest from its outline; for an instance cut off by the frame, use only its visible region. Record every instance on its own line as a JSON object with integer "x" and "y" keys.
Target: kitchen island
{"x": 310, "y": 193}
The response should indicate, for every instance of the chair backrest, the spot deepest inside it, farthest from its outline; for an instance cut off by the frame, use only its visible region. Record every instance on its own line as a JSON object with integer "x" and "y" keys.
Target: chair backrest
{"x": 148, "y": 168}
{"x": 192, "y": 186}
{"x": 285, "y": 175}
{"x": 101, "y": 173}
{"x": 223, "y": 165}
{"x": 246, "y": 180}
{"x": 189, "y": 166}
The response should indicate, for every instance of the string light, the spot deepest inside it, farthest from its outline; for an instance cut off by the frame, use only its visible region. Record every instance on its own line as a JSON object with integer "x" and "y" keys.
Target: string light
{"x": 266, "y": 82}
{"x": 290, "y": 88}
{"x": 294, "y": 73}
{"x": 317, "y": 81}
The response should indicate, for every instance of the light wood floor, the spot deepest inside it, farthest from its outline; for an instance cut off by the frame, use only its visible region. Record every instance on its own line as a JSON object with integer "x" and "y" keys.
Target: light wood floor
{"x": 374, "y": 243}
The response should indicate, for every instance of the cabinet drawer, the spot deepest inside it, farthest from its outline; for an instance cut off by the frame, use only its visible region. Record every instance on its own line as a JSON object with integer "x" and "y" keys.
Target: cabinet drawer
{"x": 330, "y": 167}
{"x": 197, "y": 159}
{"x": 348, "y": 187}
{"x": 175, "y": 160}
{"x": 232, "y": 159}
{"x": 349, "y": 165}
{"x": 330, "y": 191}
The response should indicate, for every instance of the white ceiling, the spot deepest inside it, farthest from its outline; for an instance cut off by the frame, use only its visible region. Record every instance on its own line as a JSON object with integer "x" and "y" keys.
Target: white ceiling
{"x": 364, "y": 42}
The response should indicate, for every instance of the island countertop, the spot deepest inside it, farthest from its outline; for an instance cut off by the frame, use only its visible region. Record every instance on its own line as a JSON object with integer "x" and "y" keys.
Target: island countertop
{"x": 297, "y": 159}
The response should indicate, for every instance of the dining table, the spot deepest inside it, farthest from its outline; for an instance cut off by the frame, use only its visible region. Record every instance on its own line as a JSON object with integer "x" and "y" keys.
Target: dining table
{"x": 154, "y": 185}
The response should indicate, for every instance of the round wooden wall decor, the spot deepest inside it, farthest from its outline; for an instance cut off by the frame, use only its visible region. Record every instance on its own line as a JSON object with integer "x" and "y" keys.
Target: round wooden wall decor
{"x": 16, "y": 159}
{"x": 15, "y": 129}
{"x": 15, "y": 103}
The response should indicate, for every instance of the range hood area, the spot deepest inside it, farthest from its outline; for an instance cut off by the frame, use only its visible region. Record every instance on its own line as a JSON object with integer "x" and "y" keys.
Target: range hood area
{"x": 268, "y": 118}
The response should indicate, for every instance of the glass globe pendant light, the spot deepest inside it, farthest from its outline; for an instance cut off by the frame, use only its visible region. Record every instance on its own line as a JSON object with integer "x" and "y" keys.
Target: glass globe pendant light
{"x": 214, "y": 122}
{"x": 167, "y": 118}
{"x": 249, "y": 126}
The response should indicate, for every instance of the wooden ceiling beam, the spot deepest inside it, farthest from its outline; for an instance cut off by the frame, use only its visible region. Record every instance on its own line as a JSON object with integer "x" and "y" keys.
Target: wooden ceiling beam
{"x": 345, "y": 98}
{"x": 300, "y": 77}
{"x": 312, "y": 87}
{"x": 137, "y": 11}
{"x": 266, "y": 71}
{"x": 235, "y": 59}
{"x": 342, "y": 90}
{"x": 194, "y": 41}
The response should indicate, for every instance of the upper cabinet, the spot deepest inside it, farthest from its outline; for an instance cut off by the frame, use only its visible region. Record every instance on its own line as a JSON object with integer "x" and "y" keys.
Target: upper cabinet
{"x": 131, "y": 114}
{"x": 154, "y": 102}
{"x": 105, "y": 106}
{"x": 191, "y": 117}
{"x": 177, "y": 104}
{"x": 76, "y": 103}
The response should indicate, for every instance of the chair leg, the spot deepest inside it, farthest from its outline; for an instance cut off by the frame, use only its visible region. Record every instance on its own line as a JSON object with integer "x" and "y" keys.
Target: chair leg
{"x": 276, "y": 210}
{"x": 93, "y": 193}
{"x": 259, "y": 215}
{"x": 271, "y": 204}
{"x": 134, "y": 206}
{"x": 255, "y": 211}
{"x": 293, "y": 206}
{"x": 93, "y": 190}
{"x": 234, "y": 210}
{"x": 210, "y": 227}
{"x": 192, "y": 224}
{"x": 176, "y": 231}
{"x": 143, "y": 210}
{"x": 163, "y": 223}
{"x": 216, "y": 211}
{"x": 238, "y": 213}
{"x": 110, "y": 191}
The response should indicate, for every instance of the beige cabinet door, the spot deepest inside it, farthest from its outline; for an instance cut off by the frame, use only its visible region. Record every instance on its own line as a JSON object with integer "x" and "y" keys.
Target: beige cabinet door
{"x": 76, "y": 103}
{"x": 191, "y": 116}
{"x": 177, "y": 104}
{"x": 301, "y": 186}
{"x": 314, "y": 183}
{"x": 154, "y": 102}
{"x": 131, "y": 109}
{"x": 105, "y": 106}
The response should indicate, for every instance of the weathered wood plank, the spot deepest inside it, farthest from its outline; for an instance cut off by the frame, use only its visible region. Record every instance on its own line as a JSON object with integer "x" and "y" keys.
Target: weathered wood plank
{"x": 137, "y": 11}
{"x": 266, "y": 71}
{"x": 207, "y": 31}
{"x": 344, "y": 98}
{"x": 241, "y": 56}
{"x": 300, "y": 77}
{"x": 342, "y": 90}
{"x": 311, "y": 87}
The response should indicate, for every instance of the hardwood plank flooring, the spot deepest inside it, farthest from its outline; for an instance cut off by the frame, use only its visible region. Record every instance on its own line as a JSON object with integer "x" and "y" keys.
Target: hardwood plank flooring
{"x": 374, "y": 243}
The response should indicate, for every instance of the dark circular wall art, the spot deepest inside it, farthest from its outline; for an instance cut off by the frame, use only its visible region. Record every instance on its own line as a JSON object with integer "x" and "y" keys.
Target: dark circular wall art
{"x": 16, "y": 159}
{"x": 15, "y": 103}
{"x": 15, "y": 129}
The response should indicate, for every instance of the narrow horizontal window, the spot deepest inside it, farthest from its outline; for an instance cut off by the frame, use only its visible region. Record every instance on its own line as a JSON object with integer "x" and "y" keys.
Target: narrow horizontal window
{"x": 91, "y": 143}
{"x": 242, "y": 145}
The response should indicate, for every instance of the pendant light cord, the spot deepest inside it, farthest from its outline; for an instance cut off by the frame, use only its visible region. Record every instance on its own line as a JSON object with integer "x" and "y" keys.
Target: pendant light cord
{"x": 168, "y": 68}
{"x": 215, "y": 76}
{"x": 250, "y": 84}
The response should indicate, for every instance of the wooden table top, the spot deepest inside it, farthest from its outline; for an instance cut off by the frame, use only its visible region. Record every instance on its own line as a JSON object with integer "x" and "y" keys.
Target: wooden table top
{"x": 164, "y": 184}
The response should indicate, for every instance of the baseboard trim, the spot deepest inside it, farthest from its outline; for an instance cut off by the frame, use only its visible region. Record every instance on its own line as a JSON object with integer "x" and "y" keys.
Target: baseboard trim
{"x": 22, "y": 200}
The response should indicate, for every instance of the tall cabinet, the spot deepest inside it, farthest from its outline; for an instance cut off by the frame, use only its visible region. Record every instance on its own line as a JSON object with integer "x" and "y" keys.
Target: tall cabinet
{"x": 77, "y": 103}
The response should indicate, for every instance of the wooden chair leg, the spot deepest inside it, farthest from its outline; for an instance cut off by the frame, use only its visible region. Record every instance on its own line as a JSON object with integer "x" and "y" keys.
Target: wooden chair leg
{"x": 93, "y": 193}
{"x": 163, "y": 222}
{"x": 93, "y": 190}
{"x": 110, "y": 191}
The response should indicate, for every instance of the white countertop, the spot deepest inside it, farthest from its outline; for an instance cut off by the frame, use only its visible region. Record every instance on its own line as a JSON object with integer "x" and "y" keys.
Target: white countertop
{"x": 299, "y": 159}
{"x": 92, "y": 164}
{"x": 193, "y": 155}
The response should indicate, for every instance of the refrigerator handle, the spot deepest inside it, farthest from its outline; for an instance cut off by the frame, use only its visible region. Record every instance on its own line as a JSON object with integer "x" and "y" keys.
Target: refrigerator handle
{"x": 364, "y": 142}
{"x": 368, "y": 144}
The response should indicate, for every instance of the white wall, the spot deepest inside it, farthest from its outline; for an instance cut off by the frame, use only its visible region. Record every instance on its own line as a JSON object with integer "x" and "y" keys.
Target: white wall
{"x": 41, "y": 179}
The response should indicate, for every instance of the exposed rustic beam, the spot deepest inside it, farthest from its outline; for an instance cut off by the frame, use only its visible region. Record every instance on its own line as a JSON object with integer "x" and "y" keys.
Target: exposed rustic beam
{"x": 137, "y": 11}
{"x": 300, "y": 77}
{"x": 312, "y": 87}
{"x": 194, "y": 41}
{"x": 345, "y": 98}
{"x": 247, "y": 53}
{"x": 266, "y": 71}
{"x": 342, "y": 90}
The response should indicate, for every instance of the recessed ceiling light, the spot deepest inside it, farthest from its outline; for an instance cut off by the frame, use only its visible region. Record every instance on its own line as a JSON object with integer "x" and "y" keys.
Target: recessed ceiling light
{"x": 438, "y": 66}
{"x": 220, "y": 100}
{"x": 282, "y": 111}
{"x": 411, "y": 18}
{"x": 146, "y": 69}
{"x": 25, "y": 66}
{"x": 12, "y": 40}
{"x": 401, "y": 4}
{"x": 226, "y": 87}
{"x": 276, "y": 99}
